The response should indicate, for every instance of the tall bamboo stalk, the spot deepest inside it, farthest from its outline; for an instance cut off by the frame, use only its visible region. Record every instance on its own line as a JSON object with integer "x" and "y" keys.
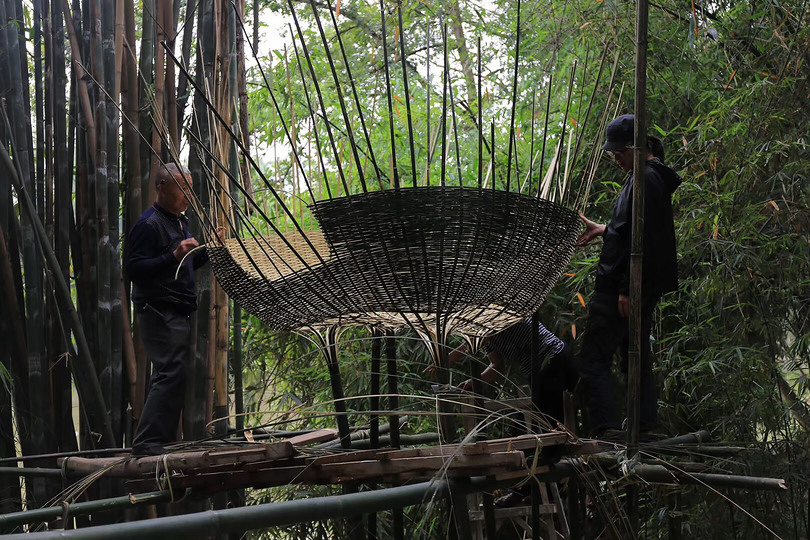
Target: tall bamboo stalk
{"x": 394, "y": 168}
{"x": 244, "y": 124}
{"x": 12, "y": 325}
{"x": 39, "y": 108}
{"x": 158, "y": 101}
{"x": 32, "y": 264}
{"x": 10, "y": 494}
{"x": 194, "y": 418}
{"x": 137, "y": 362}
{"x": 170, "y": 25}
{"x": 514, "y": 106}
{"x": 112, "y": 64}
{"x": 636, "y": 250}
{"x": 185, "y": 52}
{"x": 100, "y": 246}
{"x": 63, "y": 197}
{"x": 146, "y": 77}
{"x": 86, "y": 380}
{"x": 16, "y": 12}
{"x": 15, "y": 354}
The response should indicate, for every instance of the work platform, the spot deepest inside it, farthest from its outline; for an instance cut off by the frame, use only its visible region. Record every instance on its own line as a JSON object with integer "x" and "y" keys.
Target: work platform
{"x": 262, "y": 465}
{"x": 467, "y": 474}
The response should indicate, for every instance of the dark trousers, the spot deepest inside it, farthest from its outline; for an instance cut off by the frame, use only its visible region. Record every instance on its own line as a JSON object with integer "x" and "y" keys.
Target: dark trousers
{"x": 606, "y": 332}
{"x": 166, "y": 338}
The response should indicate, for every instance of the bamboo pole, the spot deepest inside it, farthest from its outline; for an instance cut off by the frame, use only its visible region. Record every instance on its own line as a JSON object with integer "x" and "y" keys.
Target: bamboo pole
{"x": 236, "y": 366}
{"x": 112, "y": 10}
{"x": 374, "y": 399}
{"x": 63, "y": 197}
{"x": 134, "y": 352}
{"x": 46, "y": 174}
{"x": 146, "y": 78}
{"x": 158, "y": 105}
{"x": 194, "y": 411}
{"x": 185, "y": 51}
{"x": 171, "y": 89}
{"x": 637, "y": 248}
{"x": 275, "y": 514}
{"x": 42, "y": 515}
{"x": 15, "y": 340}
{"x": 39, "y": 108}
{"x": 78, "y": 72}
{"x": 33, "y": 317}
{"x": 14, "y": 348}
{"x": 244, "y": 123}
{"x": 330, "y": 352}
{"x": 10, "y": 493}
{"x": 17, "y": 13}
{"x": 85, "y": 376}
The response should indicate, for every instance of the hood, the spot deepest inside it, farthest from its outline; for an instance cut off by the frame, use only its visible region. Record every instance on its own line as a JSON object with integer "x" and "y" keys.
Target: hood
{"x": 670, "y": 177}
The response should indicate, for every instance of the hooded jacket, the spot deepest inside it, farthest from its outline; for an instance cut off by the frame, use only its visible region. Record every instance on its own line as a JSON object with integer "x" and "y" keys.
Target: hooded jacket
{"x": 660, "y": 259}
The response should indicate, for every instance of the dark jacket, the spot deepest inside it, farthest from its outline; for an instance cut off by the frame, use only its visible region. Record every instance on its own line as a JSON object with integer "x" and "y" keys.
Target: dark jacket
{"x": 660, "y": 260}
{"x": 151, "y": 265}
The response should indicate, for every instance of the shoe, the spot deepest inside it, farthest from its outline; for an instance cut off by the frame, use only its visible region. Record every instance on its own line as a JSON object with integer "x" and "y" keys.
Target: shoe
{"x": 144, "y": 451}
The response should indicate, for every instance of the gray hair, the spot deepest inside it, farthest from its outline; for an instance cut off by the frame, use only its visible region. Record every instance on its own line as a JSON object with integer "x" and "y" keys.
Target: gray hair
{"x": 167, "y": 172}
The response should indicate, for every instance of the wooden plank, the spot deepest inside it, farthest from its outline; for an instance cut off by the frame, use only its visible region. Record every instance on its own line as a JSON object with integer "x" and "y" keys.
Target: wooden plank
{"x": 335, "y": 473}
{"x": 369, "y": 469}
{"x": 322, "y": 435}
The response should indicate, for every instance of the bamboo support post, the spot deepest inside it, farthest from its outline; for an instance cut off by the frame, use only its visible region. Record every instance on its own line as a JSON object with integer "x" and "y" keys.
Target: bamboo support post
{"x": 374, "y": 400}
{"x": 636, "y": 250}
{"x": 330, "y": 353}
{"x": 393, "y": 399}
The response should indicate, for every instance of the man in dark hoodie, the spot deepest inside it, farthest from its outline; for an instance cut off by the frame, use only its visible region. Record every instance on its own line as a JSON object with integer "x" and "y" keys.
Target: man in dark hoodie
{"x": 609, "y": 309}
{"x": 158, "y": 243}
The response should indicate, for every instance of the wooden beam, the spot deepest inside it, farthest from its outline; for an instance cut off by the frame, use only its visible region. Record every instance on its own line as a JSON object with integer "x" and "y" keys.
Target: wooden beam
{"x": 322, "y": 435}
{"x": 129, "y": 467}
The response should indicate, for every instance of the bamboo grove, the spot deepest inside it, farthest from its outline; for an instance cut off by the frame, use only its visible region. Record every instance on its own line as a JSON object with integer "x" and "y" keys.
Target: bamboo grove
{"x": 84, "y": 147}
{"x": 95, "y": 94}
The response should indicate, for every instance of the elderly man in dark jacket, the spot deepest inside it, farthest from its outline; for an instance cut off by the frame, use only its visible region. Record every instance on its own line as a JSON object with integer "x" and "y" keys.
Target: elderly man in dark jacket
{"x": 609, "y": 308}
{"x": 164, "y": 297}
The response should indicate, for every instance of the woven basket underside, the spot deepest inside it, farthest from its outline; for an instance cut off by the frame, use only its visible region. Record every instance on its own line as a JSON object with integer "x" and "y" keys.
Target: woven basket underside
{"x": 460, "y": 260}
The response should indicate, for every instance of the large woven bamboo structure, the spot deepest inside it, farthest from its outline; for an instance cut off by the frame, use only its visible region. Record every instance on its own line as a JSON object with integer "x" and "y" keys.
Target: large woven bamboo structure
{"x": 438, "y": 260}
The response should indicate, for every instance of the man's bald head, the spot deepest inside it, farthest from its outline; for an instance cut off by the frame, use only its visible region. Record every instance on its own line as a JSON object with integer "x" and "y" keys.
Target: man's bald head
{"x": 168, "y": 171}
